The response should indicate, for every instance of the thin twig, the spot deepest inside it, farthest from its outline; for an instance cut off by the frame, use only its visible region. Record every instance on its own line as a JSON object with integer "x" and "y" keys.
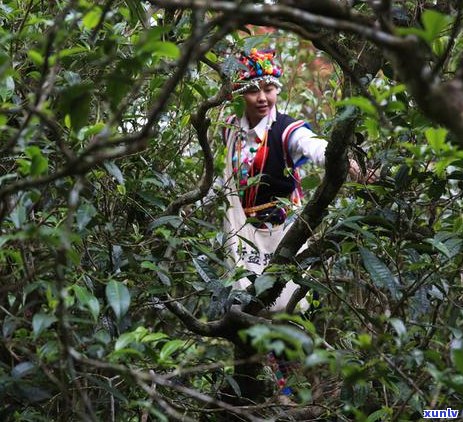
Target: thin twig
{"x": 142, "y": 378}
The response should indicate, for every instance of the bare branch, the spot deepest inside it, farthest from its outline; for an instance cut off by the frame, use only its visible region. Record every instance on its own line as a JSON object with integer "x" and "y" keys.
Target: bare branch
{"x": 207, "y": 329}
{"x": 332, "y": 8}
{"x": 285, "y": 13}
{"x": 227, "y": 327}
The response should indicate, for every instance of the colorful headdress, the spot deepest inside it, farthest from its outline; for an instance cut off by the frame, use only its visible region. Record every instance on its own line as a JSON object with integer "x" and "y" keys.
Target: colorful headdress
{"x": 257, "y": 66}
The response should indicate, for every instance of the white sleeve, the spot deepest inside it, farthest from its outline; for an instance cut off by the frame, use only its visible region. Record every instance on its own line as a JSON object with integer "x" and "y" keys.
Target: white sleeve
{"x": 304, "y": 143}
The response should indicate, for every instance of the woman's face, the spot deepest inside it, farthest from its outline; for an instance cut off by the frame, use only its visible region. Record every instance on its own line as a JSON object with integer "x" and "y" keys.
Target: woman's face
{"x": 259, "y": 102}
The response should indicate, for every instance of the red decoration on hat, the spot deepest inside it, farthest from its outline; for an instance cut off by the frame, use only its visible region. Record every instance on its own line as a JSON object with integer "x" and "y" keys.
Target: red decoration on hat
{"x": 257, "y": 65}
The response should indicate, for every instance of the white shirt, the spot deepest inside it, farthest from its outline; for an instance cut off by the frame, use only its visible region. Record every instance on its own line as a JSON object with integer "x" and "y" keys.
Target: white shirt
{"x": 302, "y": 143}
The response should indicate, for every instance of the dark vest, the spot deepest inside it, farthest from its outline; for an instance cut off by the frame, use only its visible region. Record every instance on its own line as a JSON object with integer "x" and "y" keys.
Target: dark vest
{"x": 275, "y": 182}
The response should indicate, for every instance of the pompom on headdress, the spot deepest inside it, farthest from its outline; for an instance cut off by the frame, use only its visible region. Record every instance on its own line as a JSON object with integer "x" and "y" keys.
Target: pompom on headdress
{"x": 257, "y": 66}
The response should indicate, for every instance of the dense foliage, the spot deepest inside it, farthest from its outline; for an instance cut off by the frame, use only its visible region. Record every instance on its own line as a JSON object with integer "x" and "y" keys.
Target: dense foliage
{"x": 115, "y": 290}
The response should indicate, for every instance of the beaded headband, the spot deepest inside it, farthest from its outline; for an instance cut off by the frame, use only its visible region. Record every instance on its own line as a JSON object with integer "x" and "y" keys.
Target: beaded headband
{"x": 260, "y": 66}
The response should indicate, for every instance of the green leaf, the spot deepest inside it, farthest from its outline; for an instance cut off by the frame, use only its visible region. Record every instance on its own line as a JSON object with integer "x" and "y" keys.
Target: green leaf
{"x": 200, "y": 89}
{"x": 204, "y": 270}
{"x": 313, "y": 283}
{"x": 7, "y": 86}
{"x": 165, "y": 49}
{"x": 84, "y": 215}
{"x": 124, "y": 340}
{"x": 308, "y": 326}
{"x": 233, "y": 384}
{"x": 399, "y": 327}
{"x": 310, "y": 182}
{"x": 125, "y": 354}
{"x": 238, "y": 105}
{"x": 440, "y": 246}
{"x": 210, "y": 55}
{"x": 10, "y": 324}
{"x": 24, "y": 166}
{"x": 36, "y": 57}
{"x": 372, "y": 126}
{"x": 393, "y": 106}
{"x": 434, "y": 23}
{"x": 4, "y": 63}
{"x": 35, "y": 164}
{"x": 457, "y": 357}
{"x": 121, "y": 189}
{"x": 121, "y": 80}
{"x": 174, "y": 220}
{"x": 67, "y": 52}
{"x": 23, "y": 369}
{"x": 362, "y": 103}
{"x": 34, "y": 394}
{"x": 18, "y": 215}
{"x": 115, "y": 171}
{"x": 79, "y": 114}
{"x": 354, "y": 226}
{"x": 379, "y": 272}
{"x": 412, "y": 31}
{"x": 41, "y": 322}
{"x": 91, "y": 18}
{"x": 94, "y": 129}
{"x": 165, "y": 279}
{"x": 161, "y": 417}
{"x": 87, "y": 300}
{"x": 75, "y": 101}
{"x": 364, "y": 341}
{"x": 149, "y": 265}
{"x": 118, "y": 297}
{"x": 138, "y": 336}
{"x": 153, "y": 35}
{"x": 136, "y": 10}
{"x": 436, "y": 138}
{"x": 170, "y": 348}
{"x": 255, "y": 41}
{"x": 154, "y": 337}
{"x": 264, "y": 282}
{"x": 440, "y": 45}
{"x": 293, "y": 335}
{"x": 317, "y": 358}
{"x": 257, "y": 332}
{"x": 39, "y": 163}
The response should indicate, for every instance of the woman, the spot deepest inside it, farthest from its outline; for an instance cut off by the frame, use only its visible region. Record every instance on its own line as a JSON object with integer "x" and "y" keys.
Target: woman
{"x": 265, "y": 148}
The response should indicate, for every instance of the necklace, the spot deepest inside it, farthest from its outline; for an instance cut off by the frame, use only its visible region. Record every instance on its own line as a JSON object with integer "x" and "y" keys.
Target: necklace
{"x": 249, "y": 166}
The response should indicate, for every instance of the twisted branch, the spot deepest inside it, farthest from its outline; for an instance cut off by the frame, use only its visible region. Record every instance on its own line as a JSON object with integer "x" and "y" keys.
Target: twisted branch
{"x": 201, "y": 124}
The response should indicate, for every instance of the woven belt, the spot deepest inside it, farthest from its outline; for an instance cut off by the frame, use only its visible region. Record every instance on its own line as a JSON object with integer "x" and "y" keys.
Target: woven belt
{"x": 251, "y": 211}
